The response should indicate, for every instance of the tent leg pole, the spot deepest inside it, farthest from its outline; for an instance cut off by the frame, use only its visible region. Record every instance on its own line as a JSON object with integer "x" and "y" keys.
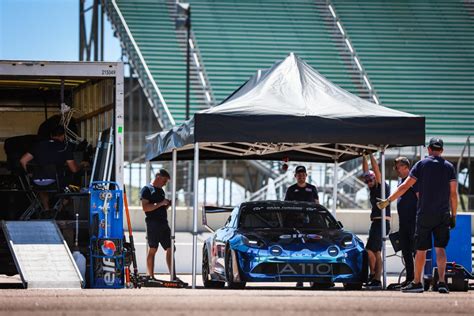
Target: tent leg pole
{"x": 148, "y": 172}
{"x": 195, "y": 210}
{"x": 384, "y": 233}
{"x": 173, "y": 214}
{"x": 224, "y": 176}
{"x": 334, "y": 190}
{"x": 205, "y": 183}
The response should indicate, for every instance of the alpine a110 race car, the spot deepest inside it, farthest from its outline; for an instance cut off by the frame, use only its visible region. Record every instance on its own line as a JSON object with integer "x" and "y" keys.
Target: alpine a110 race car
{"x": 282, "y": 241}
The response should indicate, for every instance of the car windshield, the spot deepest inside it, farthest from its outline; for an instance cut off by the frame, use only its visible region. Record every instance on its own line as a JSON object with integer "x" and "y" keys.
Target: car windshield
{"x": 281, "y": 217}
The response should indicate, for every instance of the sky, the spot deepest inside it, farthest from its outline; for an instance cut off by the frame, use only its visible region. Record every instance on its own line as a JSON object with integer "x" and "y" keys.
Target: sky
{"x": 46, "y": 30}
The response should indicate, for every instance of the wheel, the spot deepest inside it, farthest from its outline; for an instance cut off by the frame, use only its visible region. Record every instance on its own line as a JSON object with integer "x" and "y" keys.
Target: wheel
{"x": 352, "y": 286}
{"x": 321, "y": 286}
{"x": 206, "y": 276}
{"x": 229, "y": 275}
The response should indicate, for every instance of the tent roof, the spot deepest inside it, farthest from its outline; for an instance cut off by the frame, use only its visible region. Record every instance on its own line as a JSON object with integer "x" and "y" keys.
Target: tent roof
{"x": 289, "y": 110}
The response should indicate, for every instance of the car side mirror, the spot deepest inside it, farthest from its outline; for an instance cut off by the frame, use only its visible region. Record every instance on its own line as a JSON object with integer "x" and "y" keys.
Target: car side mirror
{"x": 340, "y": 224}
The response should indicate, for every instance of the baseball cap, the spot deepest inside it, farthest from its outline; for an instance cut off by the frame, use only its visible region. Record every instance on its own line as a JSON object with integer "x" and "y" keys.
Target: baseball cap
{"x": 436, "y": 143}
{"x": 163, "y": 173}
{"x": 369, "y": 175}
{"x": 300, "y": 169}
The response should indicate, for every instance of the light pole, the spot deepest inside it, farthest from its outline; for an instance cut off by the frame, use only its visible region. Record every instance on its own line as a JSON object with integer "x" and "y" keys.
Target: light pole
{"x": 183, "y": 21}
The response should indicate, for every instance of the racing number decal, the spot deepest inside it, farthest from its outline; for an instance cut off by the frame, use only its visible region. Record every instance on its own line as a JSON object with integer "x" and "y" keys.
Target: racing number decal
{"x": 305, "y": 268}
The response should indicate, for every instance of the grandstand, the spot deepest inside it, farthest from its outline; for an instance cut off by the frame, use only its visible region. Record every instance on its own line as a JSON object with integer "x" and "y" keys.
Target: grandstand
{"x": 419, "y": 56}
{"x": 233, "y": 47}
{"x": 238, "y": 37}
{"x": 416, "y": 56}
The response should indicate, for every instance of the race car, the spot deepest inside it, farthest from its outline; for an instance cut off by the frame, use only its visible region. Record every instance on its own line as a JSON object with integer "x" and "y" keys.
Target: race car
{"x": 282, "y": 241}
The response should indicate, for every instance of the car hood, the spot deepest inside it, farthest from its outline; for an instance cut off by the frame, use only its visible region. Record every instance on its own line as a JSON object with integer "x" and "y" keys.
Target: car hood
{"x": 299, "y": 239}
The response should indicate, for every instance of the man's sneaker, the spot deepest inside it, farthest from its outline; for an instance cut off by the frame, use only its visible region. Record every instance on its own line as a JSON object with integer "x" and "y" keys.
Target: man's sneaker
{"x": 405, "y": 283}
{"x": 442, "y": 288}
{"x": 299, "y": 285}
{"x": 371, "y": 277}
{"x": 413, "y": 288}
{"x": 374, "y": 285}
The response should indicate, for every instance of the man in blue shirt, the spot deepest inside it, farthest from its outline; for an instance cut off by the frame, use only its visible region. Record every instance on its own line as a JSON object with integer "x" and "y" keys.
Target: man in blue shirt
{"x": 406, "y": 207}
{"x": 437, "y": 188}
{"x": 373, "y": 179}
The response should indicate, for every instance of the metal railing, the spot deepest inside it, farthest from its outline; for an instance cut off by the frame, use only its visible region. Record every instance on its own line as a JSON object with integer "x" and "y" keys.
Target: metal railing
{"x": 279, "y": 183}
{"x": 355, "y": 59}
{"x": 197, "y": 62}
{"x": 201, "y": 72}
{"x": 145, "y": 78}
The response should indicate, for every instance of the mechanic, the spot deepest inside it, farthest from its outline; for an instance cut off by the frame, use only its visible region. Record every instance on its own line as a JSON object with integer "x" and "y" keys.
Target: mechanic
{"x": 301, "y": 191}
{"x": 406, "y": 207}
{"x": 50, "y": 157}
{"x": 437, "y": 187}
{"x": 154, "y": 205}
{"x": 373, "y": 179}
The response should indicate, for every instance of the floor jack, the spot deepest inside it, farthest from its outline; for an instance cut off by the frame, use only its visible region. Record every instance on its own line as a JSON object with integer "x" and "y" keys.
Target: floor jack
{"x": 136, "y": 280}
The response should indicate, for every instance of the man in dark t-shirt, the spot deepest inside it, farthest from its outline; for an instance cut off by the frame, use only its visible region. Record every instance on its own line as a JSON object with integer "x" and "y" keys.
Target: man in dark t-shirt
{"x": 301, "y": 191}
{"x": 437, "y": 186}
{"x": 406, "y": 207}
{"x": 154, "y": 205}
{"x": 49, "y": 157}
{"x": 373, "y": 179}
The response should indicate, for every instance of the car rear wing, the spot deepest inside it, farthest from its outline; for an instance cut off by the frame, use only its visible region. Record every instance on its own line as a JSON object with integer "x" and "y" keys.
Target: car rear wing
{"x": 213, "y": 210}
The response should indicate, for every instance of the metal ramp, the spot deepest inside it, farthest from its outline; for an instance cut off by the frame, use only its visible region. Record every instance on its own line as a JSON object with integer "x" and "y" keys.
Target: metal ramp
{"x": 41, "y": 255}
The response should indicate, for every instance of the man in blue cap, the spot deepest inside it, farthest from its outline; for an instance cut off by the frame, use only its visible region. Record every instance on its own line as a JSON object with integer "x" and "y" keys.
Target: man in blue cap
{"x": 437, "y": 186}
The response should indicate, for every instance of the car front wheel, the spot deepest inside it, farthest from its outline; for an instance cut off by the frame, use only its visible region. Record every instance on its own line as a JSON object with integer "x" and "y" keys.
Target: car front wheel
{"x": 229, "y": 273}
{"x": 206, "y": 276}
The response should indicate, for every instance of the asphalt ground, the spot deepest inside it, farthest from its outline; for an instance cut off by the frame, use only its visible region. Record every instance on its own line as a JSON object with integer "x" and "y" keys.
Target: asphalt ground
{"x": 256, "y": 299}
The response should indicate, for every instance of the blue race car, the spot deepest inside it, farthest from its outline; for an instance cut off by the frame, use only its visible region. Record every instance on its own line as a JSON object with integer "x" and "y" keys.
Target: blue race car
{"x": 276, "y": 241}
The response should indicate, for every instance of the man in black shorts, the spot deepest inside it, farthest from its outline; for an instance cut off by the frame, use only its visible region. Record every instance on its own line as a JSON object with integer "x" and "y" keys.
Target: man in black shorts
{"x": 437, "y": 187}
{"x": 406, "y": 207}
{"x": 301, "y": 191}
{"x": 50, "y": 156}
{"x": 154, "y": 205}
{"x": 373, "y": 179}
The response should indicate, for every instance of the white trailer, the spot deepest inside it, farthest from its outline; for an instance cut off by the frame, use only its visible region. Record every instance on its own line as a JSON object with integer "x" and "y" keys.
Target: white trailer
{"x": 27, "y": 97}
{"x": 31, "y": 92}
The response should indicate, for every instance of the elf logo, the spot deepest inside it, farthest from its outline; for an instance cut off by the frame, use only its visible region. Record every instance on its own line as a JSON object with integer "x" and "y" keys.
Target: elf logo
{"x": 108, "y": 264}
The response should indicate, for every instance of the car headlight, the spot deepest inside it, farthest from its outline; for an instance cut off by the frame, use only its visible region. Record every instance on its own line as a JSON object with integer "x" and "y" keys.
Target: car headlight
{"x": 252, "y": 241}
{"x": 348, "y": 242}
{"x": 333, "y": 251}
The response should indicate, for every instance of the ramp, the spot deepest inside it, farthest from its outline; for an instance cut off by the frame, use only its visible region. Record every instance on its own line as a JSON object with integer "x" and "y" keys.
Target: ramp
{"x": 41, "y": 255}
